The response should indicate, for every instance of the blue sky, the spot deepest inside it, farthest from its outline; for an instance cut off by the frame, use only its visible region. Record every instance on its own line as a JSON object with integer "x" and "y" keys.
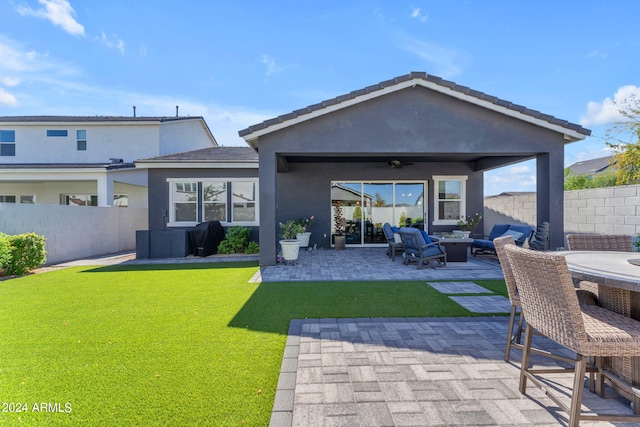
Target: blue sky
{"x": 239, "y": 63}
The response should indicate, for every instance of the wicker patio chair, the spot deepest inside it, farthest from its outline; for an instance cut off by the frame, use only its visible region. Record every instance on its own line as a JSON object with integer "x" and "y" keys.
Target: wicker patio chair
{"x": 514, "y": 336}
{"x": 618, "y": 300}
{"x": 551, "y": 306}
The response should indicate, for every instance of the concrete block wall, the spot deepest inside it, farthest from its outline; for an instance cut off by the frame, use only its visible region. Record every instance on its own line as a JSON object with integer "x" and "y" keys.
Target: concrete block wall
{"x": 611, "y": 210}
{"x": 74, "y": 232}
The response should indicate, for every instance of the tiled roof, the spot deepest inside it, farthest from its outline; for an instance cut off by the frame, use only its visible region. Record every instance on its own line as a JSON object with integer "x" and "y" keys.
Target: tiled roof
{"x": 89, "y": 119}
{"x": 108, "y": 166}
{"x": 591, "y": 166}
{"x": 212, "y": 154}
{"x": 421, "y": 76}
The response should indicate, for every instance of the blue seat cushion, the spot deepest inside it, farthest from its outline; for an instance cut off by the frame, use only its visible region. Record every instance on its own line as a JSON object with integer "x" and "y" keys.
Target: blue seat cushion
{"x": 426, "y": 237}
{"x": 497, "y": 231}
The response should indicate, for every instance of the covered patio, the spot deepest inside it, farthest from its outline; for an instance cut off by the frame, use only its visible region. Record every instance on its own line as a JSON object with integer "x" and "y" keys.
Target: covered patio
{"x": 413, "y": 147}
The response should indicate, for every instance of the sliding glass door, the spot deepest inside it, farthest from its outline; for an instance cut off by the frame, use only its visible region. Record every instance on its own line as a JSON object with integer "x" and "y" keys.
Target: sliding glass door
{"x": 367, "y": 205}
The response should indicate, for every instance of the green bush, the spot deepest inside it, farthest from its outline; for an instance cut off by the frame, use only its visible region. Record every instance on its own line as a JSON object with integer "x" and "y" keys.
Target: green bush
{"x": 252, "y": 248}
{"x": 27, "y": 251}
{"x": 5, "y": 251}
{"x": 237, "y": 241}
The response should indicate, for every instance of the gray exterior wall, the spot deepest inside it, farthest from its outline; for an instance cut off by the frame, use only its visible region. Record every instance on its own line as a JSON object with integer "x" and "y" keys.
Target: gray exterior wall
{"x": 159, "y": 191}
{"x": 458, "y": 138}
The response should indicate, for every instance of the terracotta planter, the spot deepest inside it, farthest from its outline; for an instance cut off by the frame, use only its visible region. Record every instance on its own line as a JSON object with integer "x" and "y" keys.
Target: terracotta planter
{"x": 290, "y": 249}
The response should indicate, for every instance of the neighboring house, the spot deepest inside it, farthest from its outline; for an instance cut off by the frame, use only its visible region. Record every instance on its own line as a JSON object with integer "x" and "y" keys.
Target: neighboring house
{"x": 413, "y": 136}
{"x": 593, "y": 167}
{"x": 88, "y": 161}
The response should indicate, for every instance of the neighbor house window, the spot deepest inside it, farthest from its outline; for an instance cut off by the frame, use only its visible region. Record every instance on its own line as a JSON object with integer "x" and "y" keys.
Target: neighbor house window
{"x": 81, "y": 140}
{"x": 79, "y": 199}
{"x": 230, "y": 202}
{"x": 450, "y": 192}
{"x": 7, "y": 199}
{"x": 57, "y": 132}
{"x": 28, "y": 199}
{"x": 120, "y": 200}
{"x": 7, "y": 143}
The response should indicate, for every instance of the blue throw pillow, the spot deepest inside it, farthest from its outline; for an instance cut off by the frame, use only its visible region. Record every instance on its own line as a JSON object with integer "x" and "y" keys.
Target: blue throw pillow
{"x": 395, "y": 229}
{"x": 426, "y": 236}
{"x": 515, "y": 234}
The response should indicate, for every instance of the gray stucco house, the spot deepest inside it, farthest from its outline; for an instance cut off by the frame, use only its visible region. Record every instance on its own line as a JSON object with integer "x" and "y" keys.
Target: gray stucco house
{"x": 416, "y": 145}
{"x": 411, "y": 149}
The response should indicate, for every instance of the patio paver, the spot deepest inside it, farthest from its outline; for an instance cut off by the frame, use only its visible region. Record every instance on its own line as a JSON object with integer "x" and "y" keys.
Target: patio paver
{"x": 413, "y": 371}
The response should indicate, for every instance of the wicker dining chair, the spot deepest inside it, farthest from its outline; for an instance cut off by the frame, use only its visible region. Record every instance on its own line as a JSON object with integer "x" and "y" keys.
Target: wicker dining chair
{"x": 618, "y": 300}
{"x": 551, "y": 306}
{"x": 514, "y": 336}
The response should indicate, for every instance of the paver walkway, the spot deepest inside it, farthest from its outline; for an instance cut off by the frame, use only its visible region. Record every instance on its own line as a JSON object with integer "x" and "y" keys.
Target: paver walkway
{"x": 413, "y": 372}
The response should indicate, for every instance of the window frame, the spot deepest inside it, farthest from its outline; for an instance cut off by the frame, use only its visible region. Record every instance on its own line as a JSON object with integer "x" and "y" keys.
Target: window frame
{"x": 57, "y": 133}
{"x": 81, "y": 142}
{"x": 230, "y": 221}
{"x": 436, "y": 198}
{"x": 7, "y": 143}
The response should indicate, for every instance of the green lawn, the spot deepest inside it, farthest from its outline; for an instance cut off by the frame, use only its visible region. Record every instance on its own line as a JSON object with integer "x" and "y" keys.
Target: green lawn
{"x": 171, "y": 345}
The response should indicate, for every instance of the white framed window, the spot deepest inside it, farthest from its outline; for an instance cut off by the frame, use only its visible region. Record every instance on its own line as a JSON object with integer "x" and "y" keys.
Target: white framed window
{"x": 183, "y": 199}
{"x": 243, "y": 199}
{"x": 230, "y": 201}
{"x": 29, "y": 199}
{"x": 449, "y": 199}
{"x": 120, "y": 200}
{"x": 214, "y": 201}
{"x": 6, "y": 198}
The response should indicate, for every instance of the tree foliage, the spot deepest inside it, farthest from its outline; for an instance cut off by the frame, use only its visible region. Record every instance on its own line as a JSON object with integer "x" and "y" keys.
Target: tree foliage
{"x": 624, "y": 138}
{"x": 580, "y": 182}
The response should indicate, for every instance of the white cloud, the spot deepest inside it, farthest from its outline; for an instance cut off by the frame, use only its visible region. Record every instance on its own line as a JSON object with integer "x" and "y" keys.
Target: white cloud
{"x": 59, "y": 12}
{"x": 596, "y": 54}
{"x": 112, "y": 42}
{"x": 417, "y": 14}
{"x": 7, "y": 99}
{"x": 10, "y": 81}
{"x": 143, "y": 50}
{"x": 520, "y": 177}
{"x": 446, "y": 63}
{"x": 605, "y": 112}
{"x": 270, "y": 63}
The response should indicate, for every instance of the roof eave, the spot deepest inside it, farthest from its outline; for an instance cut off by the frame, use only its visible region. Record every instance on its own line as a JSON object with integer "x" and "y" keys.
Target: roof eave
{"x": 571, "y": 133}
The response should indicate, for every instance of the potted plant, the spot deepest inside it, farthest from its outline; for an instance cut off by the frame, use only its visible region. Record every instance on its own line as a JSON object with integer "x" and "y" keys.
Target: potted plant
{"x": 306, "y": 224}
{"x": 466, "y": 226}
{"x": 340, "y": 224}
{"x": 289, "y": 244}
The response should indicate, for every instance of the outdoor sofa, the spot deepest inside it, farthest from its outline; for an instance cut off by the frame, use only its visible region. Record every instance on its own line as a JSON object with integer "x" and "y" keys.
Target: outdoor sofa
{"x": 519, "y": 232}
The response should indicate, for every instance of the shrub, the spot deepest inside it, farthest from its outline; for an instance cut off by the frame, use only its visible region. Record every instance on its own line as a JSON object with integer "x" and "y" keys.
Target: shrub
{"x": 252, "y": 248}
{"x": 236, "y": 241}
{"x": 27, "y": 251}
{"x": 5, "y": 251}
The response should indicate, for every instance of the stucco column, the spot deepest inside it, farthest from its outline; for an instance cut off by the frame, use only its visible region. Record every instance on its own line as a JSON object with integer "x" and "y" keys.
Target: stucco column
{"x": 105, "y": 190}
{"x": 268, "y": 206}
{"x": 550, "y": 194}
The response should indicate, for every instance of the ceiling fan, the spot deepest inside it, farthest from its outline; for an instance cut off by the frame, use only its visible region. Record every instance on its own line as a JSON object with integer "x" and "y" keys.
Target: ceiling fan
{"x": 397, "y": 164}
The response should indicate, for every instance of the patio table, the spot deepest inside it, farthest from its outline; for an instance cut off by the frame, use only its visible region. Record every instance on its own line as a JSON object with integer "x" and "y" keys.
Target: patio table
{"x": 621, "y": 271}
{"x": 456, "y": 247}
